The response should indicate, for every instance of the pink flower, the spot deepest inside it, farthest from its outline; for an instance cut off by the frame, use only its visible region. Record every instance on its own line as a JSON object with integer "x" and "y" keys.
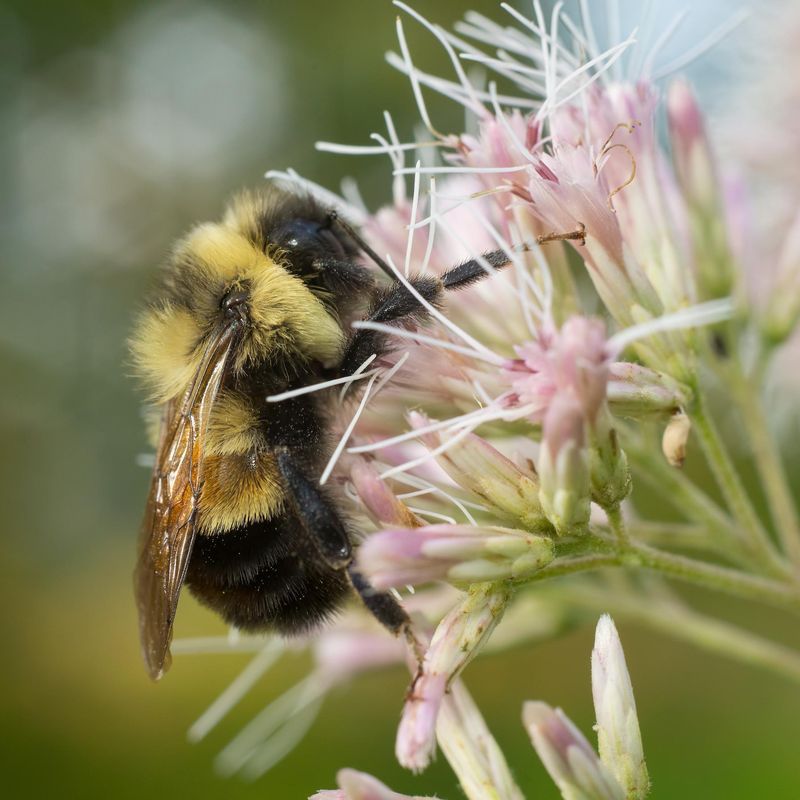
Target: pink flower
{"x": 460, "y": 553}
{"x": 354, "y": 785}
{"x": 573, "y": 360}
{"x": 457, "y": 639}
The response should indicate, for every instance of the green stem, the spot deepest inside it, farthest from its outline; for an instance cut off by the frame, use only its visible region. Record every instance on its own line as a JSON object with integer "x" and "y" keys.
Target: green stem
{"x": 617, "y": 524}
{"x": 711, "y": 576}
{"x": 677, "y": 620}
{"x": 768, "y": 460}
{"x": 677, "y": 535}
{"x": 691, "y": 501}
{"x": 734, "y": 492}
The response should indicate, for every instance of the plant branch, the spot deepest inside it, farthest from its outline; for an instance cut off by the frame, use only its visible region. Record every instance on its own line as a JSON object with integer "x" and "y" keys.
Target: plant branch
{"x": 760, "y": 545}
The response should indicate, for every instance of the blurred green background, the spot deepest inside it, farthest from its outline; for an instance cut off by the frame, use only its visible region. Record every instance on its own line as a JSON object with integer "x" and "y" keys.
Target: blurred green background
{"x": 121, "y": 124}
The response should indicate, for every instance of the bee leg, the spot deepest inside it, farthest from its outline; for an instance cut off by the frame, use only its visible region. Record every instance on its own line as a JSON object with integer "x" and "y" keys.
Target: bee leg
{"x": 397, "y": 304}
{"x": 316, "y": 512}
{"x": 325, "y": 528}
{"x": 387, "y": 610}
{"x": 392, "y": 304}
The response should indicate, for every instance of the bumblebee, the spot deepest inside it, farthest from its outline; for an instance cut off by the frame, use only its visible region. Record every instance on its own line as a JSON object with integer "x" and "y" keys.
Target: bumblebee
{"x": 258, "y": 304}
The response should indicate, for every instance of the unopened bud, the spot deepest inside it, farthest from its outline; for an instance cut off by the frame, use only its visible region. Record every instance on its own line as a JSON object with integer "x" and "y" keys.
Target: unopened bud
{"x": 640, "y": 392}
{"x": 379, "y": 500}
{"x": 676, "y": 435}
{"x": 354, "y": 785}
{"x": 481, "y": 469}
{"x": 697, "y": 177}
{"x": 457, "y": 553}
{"x": 619, "y": 739}
{"x": 564, "y": 467}
{"x": 783, "y": 307}
{"x": 610, "y": 476}
{"x": 457, "y": 639}
{"x": 568, "y": 757}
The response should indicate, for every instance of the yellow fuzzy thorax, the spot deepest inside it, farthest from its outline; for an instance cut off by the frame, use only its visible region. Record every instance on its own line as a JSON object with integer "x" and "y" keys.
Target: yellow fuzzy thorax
{"x": 286, "y": 320}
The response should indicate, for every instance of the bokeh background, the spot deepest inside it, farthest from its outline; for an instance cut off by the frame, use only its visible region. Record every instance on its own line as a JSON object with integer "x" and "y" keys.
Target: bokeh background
{"x": 121, "y": 123}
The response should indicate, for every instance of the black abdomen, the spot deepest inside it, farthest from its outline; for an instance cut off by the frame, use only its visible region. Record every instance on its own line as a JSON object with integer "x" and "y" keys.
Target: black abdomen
{"x": 266, "y": 576}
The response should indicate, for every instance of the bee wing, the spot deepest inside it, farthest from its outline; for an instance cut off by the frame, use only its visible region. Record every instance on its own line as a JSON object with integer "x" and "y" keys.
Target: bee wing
{"x": 168, "y": 529}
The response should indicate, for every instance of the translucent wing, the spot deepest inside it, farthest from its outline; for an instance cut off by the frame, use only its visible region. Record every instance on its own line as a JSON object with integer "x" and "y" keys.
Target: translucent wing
{"x": 168, "y": 529}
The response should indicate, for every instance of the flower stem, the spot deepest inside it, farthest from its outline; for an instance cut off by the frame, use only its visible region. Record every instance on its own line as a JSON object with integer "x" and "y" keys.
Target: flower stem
{"x": 693, "y": 503}
{"x": 711, "y": 576}
{"x": 760, "y": 545}
{"x": 617, "y": 523}
{"x": 768, "y": 460}
{"x": 675, "y": 619}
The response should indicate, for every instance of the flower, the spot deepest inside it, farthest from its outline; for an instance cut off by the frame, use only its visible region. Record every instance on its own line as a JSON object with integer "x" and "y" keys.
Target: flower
{"x": 618, "y": 736}
{"x": 619, "y": 773}
{"x": 398, "y": 557}
{"x": 457, "y": 639}
{"x": 354, "y": 785}
{"x": 567, "y": 756}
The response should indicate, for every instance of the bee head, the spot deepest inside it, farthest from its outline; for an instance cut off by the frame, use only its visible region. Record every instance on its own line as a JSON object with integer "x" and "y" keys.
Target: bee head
{"x": 218, "y": 274}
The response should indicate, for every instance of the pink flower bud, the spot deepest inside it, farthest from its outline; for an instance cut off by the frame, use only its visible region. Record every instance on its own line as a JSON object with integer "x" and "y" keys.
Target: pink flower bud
{"x": 398, "y": 557}
{"x": 378, "y": 498}
{"x": 568, "y": 757}
{"x": 640, "y": 392}
{"x": 457, "y": 639}
{"x": 563, "y": 466}
{"x": 354, "y": 785}
{"x": 619, "y": 739}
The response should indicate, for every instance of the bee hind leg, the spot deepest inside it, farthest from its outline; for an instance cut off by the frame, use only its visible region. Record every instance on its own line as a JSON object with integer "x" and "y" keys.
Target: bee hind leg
{"x": 387, "y": 610}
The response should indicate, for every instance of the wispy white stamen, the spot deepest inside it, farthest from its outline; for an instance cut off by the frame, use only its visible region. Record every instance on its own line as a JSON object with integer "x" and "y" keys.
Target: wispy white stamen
{"x": 317, "y": 387}
{"x": 443, "y": 344}
{"x": 706, "y": 44}
{"x": 326, "y": 473}
{"x": 661, "y": 42}
{"x": 414, "y": 480}
{"x": 370, "y": 149}
{"x": 357, "y": 373}
{"x": 351, "y": 193}
{"x": 236, "y": 690}
{"x": 412, "y": 220}
{"x": 452, "y": 90}
{"x": 442, "y": 37}
{"x": 692, "y": 317}
{"x": 412, "y": 74}
{"x": 423, "y": 270}
{"x": 588, "y": 27}
{"x": 273, "y": 719}
{"x": 416, "y": 433}
{"x": 423, "y": 512}
{"x": 462, "y": 170}
{"x": 390, "y": 373}
{"x": 431, "y": 454}
{"x": 614, "y": 21}
{"x": 325, "y": 196}
{"x": 279, "y": 746}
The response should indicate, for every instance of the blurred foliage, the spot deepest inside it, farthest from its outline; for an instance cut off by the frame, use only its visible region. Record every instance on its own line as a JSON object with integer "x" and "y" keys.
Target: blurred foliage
{"x": 121, "y": 124}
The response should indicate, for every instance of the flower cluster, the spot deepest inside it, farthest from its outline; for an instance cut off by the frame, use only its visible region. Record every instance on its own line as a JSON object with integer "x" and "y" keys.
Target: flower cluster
{"x": 618, "y": 773}
{"x": 500, "y": 444}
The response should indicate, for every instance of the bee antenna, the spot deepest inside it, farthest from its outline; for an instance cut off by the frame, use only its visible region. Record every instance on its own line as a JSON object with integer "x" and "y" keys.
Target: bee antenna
{"x": 333, "y": 217}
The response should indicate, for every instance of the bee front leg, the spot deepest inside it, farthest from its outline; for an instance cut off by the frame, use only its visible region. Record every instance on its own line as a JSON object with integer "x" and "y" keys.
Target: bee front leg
{"x": 394, "y": 304}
